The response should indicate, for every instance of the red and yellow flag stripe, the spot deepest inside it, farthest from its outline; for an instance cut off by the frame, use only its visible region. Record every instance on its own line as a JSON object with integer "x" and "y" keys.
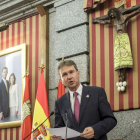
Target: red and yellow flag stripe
{"x": 41, "y": 110}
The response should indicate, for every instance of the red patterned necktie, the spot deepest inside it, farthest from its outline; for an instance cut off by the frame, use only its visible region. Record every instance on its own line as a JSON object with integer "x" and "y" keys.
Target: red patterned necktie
{"x": 76, "y": 106}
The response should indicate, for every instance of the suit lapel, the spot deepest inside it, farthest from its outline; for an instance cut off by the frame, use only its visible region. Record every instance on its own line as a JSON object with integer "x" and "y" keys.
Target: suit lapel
{"x": 3, "y": 86}
{"x": 67, "y": 105}
{"x": 84, "y": 101}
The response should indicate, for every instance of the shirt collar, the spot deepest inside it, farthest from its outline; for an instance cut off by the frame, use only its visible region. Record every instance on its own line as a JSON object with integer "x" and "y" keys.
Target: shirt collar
{"x": 79, "y": 91}
{"x": 3, "y": 79}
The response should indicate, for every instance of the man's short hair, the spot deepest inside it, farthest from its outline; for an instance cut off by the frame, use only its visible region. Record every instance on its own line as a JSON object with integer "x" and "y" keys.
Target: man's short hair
{"x": 67, "y": 63}
{"x": 5, "y": 68}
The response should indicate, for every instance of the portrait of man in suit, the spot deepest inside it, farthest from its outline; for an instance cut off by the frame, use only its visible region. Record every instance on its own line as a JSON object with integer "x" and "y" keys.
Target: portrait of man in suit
{"x": 88, "y": 110}
{"x": 4, "y": 95}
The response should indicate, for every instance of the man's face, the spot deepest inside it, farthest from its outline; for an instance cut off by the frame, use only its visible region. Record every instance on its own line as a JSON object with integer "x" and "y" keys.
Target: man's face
{"x": 112, "y": 14}
{"x": 4, "y": 73}
{"x": 70, "y": 77}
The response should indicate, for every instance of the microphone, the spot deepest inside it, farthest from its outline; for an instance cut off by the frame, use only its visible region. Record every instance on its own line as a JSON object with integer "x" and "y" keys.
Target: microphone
{"x": 66, "y": 124}
{"x": 40, "y": 124}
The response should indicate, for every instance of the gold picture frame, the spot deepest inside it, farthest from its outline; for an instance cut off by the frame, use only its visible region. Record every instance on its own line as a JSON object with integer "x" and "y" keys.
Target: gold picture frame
{"x": 14, "y": 59}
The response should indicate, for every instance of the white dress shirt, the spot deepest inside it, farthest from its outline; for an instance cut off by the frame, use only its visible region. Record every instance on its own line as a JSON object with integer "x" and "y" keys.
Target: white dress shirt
{"x": 79, "y": 96}
{"x": 4, "y": 79}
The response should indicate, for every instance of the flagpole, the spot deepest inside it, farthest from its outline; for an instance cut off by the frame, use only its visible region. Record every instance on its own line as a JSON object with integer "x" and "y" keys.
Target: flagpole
{"x": 40, "y": 125}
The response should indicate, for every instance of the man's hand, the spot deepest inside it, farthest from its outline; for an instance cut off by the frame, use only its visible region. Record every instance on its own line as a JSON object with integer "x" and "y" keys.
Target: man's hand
{"x": 53, "y": 137}
{"x": 1, "y": 116}
{"x": 88, "y": 133}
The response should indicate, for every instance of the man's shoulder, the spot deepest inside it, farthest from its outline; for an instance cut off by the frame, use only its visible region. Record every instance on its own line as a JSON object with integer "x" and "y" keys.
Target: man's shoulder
{"x": 62, "y": 98}
{"x": 96, "y": 88}
{"x": 1, "y": 82}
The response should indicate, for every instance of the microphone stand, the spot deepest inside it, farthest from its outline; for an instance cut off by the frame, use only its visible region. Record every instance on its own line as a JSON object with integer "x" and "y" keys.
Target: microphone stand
{"x": 40, "y": 124}
{"x": 66, "y": 124}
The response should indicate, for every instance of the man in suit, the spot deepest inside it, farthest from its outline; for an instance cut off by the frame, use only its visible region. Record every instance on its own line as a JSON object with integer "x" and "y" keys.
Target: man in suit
{"x": 88, "y": 110}
{"x": 4, "y": 95}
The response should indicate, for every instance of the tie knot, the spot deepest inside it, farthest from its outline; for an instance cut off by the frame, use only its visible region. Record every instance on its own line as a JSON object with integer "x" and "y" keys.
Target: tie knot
{"x": 75, "y": 94}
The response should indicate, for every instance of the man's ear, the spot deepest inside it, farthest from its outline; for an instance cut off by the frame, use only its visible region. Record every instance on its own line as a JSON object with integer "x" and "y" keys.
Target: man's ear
{"x": 61, "y": 81}
{"x": 79, "y": 72}
{"x": 60, "y": 78}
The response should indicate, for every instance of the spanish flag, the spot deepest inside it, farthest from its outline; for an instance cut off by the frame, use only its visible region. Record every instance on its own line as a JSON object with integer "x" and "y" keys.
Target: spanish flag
{"x": 41, "y": 111}
{"x": 61, "y": 89}
{"x": 26, "y": 125}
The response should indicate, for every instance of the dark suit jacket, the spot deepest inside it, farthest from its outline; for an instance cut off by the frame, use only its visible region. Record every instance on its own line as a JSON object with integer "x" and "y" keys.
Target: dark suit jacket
{"x": 95, "y": 112}
{"x": 4, "y": 99}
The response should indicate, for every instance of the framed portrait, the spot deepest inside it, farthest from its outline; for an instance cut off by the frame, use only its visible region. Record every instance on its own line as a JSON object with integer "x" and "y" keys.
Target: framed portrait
{"x": 12, "y": 84}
